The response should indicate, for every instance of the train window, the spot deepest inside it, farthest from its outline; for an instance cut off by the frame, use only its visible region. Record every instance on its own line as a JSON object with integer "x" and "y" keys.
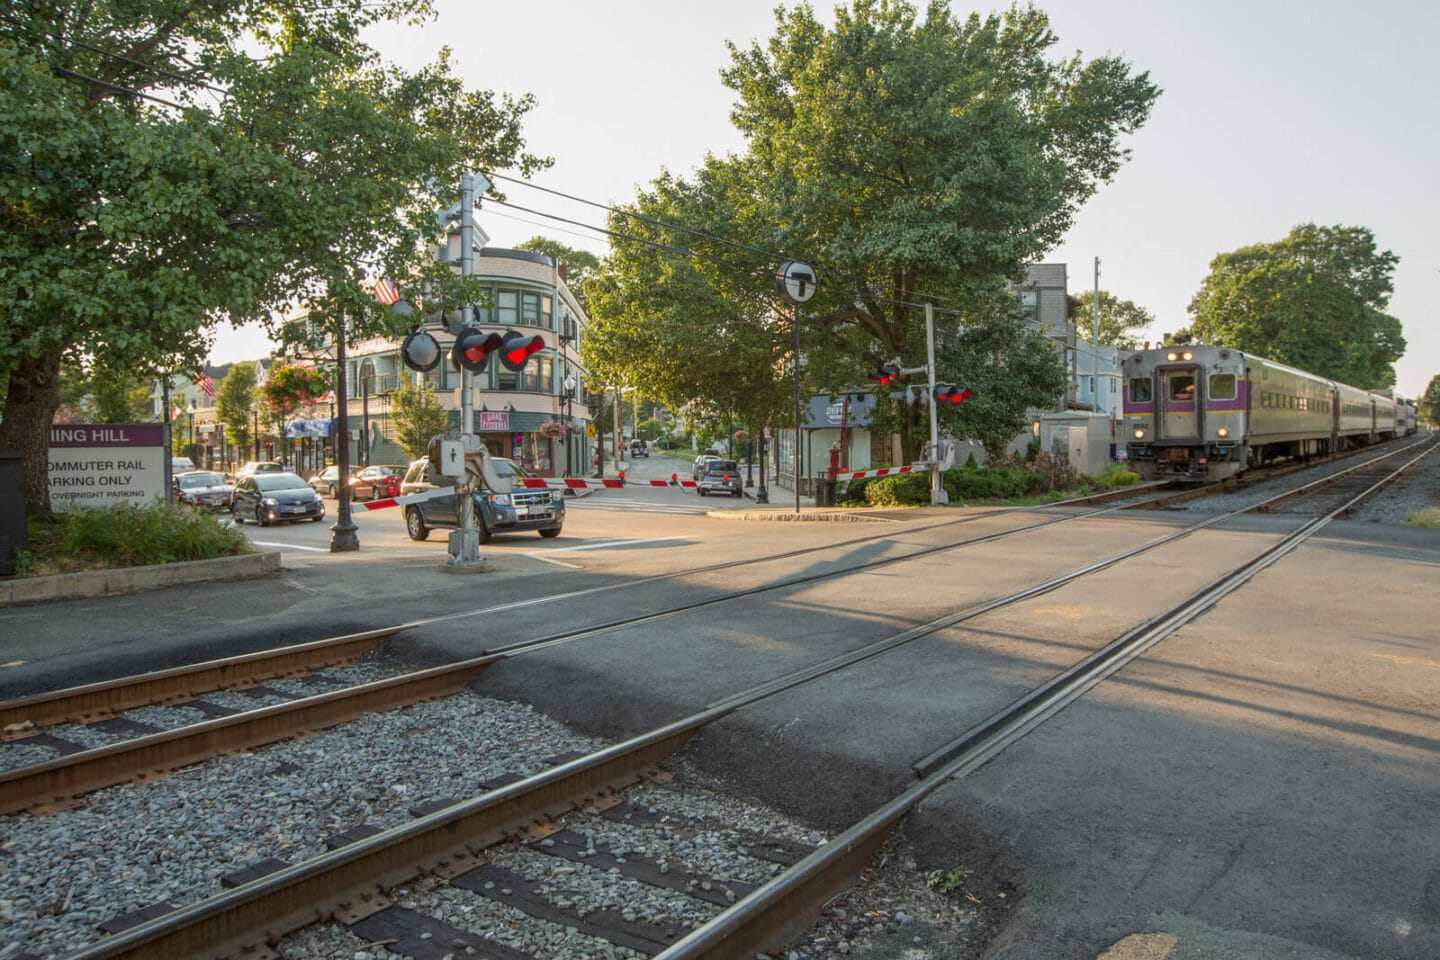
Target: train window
{"x": 1222, "y": 386}
{"x": 1140, "y": 390}
{"x": 1182, "y": 387}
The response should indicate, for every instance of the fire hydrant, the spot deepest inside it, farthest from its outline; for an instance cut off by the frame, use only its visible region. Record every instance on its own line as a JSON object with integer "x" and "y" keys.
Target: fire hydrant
{"x": 833, "y": 471}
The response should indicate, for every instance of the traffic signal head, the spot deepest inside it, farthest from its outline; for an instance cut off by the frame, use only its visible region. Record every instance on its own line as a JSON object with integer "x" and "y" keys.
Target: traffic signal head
{"x": 949, "y": 393}
{"x": 516, "y": 349}
{"x": 885, "y": 373}
{"x": 473, "y": 348}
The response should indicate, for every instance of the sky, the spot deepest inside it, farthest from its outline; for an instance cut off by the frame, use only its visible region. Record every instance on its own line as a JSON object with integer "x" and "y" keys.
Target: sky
{"x": 1272, "y": 114}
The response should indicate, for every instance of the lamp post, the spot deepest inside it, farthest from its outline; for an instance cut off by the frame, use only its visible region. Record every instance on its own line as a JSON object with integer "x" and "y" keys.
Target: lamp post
{"x": 257, "y": 432}
{"x": 569, "y": 400}
{"x": 190, "y": 415}
{"x": 343, "y": 536}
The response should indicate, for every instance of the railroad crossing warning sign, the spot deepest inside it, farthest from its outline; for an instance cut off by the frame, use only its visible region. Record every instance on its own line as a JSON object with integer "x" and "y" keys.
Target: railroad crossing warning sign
{"x": 797, "y": 280}
{"x": 589, "y": 429}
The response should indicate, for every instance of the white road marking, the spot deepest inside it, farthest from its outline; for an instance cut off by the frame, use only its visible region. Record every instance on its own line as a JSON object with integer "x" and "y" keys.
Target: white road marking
{"x": 602, "y": 545}
{"x": 558, "y": 563}
{"x": 290, "y": 546}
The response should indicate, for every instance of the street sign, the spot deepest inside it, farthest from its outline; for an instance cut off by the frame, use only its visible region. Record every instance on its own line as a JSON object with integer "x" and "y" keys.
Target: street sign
{"x": 589, "y": 429}
{"x": 796, "y": 280}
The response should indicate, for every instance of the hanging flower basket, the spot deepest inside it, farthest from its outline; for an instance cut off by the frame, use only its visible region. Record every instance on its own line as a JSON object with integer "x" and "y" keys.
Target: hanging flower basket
{"x": 552, "y": 430}
{"x": 741, "y": 435}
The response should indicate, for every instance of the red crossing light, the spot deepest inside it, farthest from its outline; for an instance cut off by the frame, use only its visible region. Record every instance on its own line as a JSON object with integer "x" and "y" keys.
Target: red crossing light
{"x": 516, "y": 349}
{"x": 949, "y": 393}
{"x": 885, "y": 373}
{"x": 473, "y": 348}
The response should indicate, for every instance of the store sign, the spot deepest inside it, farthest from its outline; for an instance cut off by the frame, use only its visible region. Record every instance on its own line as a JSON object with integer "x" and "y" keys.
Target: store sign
{"x": 494, "y": 421}
{"x": 93, "y": 466}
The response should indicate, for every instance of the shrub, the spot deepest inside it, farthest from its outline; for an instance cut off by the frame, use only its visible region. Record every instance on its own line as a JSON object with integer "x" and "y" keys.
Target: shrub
{"x": 130, "y": 536}
{"x": 993, "y": 483}
{"x": 1429, "y": 517}
{"x": 903, "y": 490}
{"x": 1115, "y": 475}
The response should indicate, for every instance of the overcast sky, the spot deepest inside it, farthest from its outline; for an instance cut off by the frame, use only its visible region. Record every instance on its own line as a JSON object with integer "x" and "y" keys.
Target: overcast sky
{"x": 1273, "y": 114}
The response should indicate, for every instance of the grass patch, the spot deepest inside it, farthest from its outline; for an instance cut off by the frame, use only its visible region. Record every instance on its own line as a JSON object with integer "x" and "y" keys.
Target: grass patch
{"x": 1428, "y": 518}
{"x": 1034, "y": 483}
{"x": 125, "y": 537}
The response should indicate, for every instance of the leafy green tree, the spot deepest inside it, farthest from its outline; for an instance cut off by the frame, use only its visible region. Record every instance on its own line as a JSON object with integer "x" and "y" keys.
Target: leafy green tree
{"x": 1427, "y": 408}
{"x": 235, "y": 398}
{"x": 418, "y": 417}
{"x": 907, "y": 159}
{"x": 581, "y": 266}
{"x": 1119, "y": 319}
{"x": 1315, "y": 300}
{"x": 169, "y": 166}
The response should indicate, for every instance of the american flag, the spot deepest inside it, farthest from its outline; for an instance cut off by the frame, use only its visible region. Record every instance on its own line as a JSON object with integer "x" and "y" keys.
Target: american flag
{"x": 386, "y": 291}
{"x": 207, "y": 386}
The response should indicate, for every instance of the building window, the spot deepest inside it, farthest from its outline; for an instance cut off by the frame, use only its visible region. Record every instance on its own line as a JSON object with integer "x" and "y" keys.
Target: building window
{"x": 530, "y": 309}
{"x": 507, "y": 309}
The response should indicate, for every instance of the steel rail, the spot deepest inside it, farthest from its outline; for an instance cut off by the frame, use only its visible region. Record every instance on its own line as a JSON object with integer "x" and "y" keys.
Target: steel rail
{"x": 267, "y": 908}
{"x": 57, "y": 781}
{"x": 99, "y": 700}
{"x": 1308, "y": 488}
{"x": 778, "y": 911}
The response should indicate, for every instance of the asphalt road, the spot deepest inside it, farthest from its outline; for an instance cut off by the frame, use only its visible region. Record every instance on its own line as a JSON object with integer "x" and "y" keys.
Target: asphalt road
{"x": 1262, "y": 784}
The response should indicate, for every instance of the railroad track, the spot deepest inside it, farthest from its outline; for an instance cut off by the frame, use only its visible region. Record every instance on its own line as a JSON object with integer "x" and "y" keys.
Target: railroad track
{"x": 454, "y": 839}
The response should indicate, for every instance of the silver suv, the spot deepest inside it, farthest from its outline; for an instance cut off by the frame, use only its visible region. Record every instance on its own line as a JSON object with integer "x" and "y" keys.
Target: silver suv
{"x": 719, "y": 476}
{"x": 524, "y": 508}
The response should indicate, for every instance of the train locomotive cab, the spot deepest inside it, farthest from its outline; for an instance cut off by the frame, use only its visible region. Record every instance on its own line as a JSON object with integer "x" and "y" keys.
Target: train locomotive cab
{"x": 1185, "y": 413}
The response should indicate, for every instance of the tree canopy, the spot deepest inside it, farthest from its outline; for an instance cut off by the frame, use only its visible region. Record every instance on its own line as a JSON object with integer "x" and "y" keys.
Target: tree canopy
{"x": 1119, "y": 319}
{"x": 171, "y": 166}
{"x": 1315, "y": 300}
{"x": 1427, "y": 406}
{"x": 908, "y": 159}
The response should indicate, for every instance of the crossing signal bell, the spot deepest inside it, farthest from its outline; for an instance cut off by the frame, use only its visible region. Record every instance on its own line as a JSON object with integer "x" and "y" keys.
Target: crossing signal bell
{"x": 885, "y": 373}
{"x": 473, "y": 348}
{"x": 949, "y": 393}
{"x": 420, "y": 351}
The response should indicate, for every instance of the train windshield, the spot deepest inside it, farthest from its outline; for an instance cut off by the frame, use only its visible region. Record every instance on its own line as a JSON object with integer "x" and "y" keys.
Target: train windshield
{"x": 1222, "y": 386}
{"x": 1181, "y": 386}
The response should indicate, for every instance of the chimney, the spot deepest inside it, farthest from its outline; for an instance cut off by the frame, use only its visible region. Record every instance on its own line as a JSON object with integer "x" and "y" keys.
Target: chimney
{"x": 564, "y": 272}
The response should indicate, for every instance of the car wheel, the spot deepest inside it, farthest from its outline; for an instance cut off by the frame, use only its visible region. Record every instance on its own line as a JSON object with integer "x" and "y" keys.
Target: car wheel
{"x": 260, "y": 517}
{"x": 332, "y": 491}
{"x": 415, "y": 524}
{"x": 235, "y": 515}
{"x": 547, "y": 534}
{"x": 480, "y": 528}
{"x": 701, "y": 491}
{"x": 739, "y": 494}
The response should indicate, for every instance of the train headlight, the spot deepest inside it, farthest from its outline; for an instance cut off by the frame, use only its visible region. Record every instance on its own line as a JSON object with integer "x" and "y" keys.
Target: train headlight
{"x": 1187, "y": 355}
{"x": 1223, "y": 432}
{"x": 1172, "y": 356}
{"x": 1139, "y": 433}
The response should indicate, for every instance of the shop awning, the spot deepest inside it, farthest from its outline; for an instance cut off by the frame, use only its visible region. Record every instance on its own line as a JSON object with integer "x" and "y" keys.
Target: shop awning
{"x": 313, "y": 428}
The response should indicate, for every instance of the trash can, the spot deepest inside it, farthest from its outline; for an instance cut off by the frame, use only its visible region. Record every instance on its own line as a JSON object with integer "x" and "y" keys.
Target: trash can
{"x": 824, "y": 492}
{"x": 12, "y": 509}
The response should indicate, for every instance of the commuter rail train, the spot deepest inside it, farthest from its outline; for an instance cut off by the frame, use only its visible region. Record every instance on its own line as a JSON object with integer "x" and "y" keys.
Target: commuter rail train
{"x": 1207, "y": 413}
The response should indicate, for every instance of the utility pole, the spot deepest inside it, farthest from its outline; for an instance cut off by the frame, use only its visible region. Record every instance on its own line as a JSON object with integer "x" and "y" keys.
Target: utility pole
{"x": 938, "y": 496}
{"x": 1095, "y": 343}
{"x": 466, "y": 553}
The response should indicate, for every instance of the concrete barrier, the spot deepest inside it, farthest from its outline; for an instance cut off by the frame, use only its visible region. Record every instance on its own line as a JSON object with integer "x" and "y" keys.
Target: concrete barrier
{"x": 104, "y": 583}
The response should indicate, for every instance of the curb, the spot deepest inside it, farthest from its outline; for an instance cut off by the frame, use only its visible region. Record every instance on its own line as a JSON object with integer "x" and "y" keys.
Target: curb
{"x": 102, "y": 583}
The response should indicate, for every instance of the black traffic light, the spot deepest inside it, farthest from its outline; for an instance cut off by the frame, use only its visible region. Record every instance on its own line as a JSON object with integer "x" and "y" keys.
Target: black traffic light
{"x": 473, "y": 348}
{"x": 885, "y": 373}
{"x": 517, "y": 348}
{"x": 949, "y": 393}
{"x": 420, "y": 351}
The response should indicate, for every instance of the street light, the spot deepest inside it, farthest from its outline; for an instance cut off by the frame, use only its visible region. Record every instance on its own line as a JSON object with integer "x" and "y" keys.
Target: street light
{"x": 190, "y": 414}
{"x": 569, "y": 426}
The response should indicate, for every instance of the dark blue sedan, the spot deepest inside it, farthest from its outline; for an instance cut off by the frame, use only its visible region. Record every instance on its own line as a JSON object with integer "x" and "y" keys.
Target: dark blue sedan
{"x": 268, "y": 497}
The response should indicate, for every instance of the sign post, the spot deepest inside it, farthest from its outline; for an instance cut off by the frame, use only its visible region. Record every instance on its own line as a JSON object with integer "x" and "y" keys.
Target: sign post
{"x": 797, "y": 282}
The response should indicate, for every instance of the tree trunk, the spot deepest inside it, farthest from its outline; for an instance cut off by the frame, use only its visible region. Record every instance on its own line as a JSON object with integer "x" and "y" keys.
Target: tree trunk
{"x": 30, "y": 405}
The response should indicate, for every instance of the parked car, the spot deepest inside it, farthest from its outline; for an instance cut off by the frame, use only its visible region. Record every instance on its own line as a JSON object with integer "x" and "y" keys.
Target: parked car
{"x": 327, "y": 481}
{"x": 202, "y": 488}
{"x": 720, "y": 476}
{"x": 181, "y": 465}
{"x": 377, "y": 480}
{"x": 639, "y": 448}
{"x": 700, "y": 462}
{"x": 268, "y": 497}
{"x": 541, "y": 510}
{"x": 259, "y": 466}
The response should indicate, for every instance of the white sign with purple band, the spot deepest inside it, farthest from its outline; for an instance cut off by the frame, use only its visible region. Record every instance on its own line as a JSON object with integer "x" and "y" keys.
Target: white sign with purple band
{"x": 98, "y": 465}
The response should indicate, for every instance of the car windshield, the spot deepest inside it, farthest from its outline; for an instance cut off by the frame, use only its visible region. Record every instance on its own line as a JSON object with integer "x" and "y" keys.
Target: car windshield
{"x": 275, "y": 482}
{"x": 508, "y": 468}
{"x": 192, "y": 480}
{"x": 391, "y": 471}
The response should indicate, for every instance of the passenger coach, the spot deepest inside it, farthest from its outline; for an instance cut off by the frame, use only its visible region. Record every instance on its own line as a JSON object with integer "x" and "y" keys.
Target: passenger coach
{"x": 1207, "y": 413}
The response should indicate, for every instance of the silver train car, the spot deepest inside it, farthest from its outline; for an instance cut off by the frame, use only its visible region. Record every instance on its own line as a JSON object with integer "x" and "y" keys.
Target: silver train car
{"x": 1207, "y": 413}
